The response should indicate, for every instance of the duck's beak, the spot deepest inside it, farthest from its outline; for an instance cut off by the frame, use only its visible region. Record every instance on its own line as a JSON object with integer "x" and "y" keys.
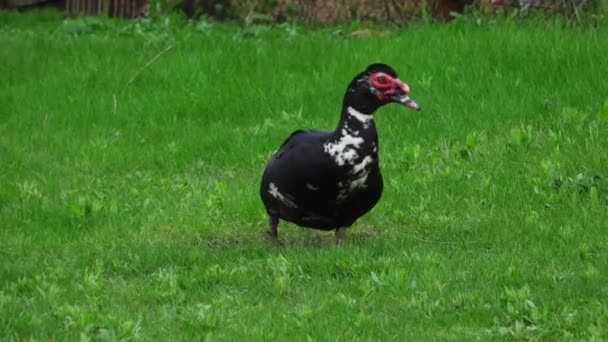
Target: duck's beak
{"x": 406, "y": 101}
{"x": 400, "y": 95}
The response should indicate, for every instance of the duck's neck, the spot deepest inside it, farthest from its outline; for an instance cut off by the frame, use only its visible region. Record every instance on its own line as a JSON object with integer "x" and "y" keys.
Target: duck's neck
{"x": 354, "y": 122}
{"x": 359, "y": 130}
{"x": 357, "y": 109}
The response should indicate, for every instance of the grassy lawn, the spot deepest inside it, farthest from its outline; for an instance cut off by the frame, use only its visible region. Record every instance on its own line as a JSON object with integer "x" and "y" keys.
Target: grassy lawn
{"x": 129, "y": 208}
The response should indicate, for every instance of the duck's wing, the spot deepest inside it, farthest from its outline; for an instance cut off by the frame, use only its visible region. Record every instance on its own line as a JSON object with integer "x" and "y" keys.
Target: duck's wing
{"x": 301, "y": 157}
{"x": 301, "y": 172}
{"x": 304, "y": 135}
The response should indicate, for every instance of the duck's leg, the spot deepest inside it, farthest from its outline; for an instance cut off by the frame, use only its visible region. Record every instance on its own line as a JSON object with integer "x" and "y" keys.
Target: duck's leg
{"x": 340, "y": 235}
{"x": 273, "y": 222}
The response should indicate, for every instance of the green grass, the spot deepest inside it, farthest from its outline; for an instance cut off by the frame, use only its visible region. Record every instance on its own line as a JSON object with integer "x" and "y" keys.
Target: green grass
{"x": 132, "y": 210}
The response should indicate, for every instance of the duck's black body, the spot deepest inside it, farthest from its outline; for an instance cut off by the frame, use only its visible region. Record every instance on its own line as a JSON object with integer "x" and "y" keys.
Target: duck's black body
{"x": 328, "y": 179}
{"x": 311, "y": 190}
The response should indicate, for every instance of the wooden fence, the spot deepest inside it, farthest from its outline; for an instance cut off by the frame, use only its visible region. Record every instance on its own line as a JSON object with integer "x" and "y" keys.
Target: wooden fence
{"x": 112, "y": 8}
{"x": 19, "y": 3}
{"x": 328, "y": 11}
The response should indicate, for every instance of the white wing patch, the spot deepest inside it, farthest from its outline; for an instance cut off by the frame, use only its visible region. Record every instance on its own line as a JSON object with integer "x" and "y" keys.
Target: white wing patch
{"x": 357, "y": 168}
{"x": 358, "y": 182}
{"x": 357, "y": 178}
{"x": 344, "y": 150}
{"x": 274, "y": 192}
{"x": 312, "y": 187}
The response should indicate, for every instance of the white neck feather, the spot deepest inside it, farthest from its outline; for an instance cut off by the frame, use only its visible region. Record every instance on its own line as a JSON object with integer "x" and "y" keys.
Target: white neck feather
{"x": 364, "y": 118}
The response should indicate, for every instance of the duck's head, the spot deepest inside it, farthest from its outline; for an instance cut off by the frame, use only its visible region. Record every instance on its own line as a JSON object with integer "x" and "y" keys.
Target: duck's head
{"x": 375, "y": 87}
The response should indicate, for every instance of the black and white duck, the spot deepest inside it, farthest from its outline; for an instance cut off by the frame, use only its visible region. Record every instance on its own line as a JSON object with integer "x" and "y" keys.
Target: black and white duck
{"x": 326, "y": 180}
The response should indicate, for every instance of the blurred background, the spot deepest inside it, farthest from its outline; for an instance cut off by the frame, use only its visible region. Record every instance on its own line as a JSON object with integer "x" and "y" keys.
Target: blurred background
{"x": 398, "y": 12}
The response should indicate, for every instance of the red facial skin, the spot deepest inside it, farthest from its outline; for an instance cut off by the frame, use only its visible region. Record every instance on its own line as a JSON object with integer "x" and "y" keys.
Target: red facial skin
{"x": 386, "y": 85}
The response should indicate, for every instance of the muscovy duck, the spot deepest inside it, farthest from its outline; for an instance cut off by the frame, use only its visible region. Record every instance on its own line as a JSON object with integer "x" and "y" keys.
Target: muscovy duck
{"x": 326, "y": 180}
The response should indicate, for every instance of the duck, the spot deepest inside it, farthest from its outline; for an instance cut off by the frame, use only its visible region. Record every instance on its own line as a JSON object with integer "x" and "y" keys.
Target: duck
{"x": 327, "y": 179}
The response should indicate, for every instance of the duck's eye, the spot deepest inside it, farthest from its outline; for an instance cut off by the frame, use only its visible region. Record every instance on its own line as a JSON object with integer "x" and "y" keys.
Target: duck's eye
{"x": 382, "y": 80}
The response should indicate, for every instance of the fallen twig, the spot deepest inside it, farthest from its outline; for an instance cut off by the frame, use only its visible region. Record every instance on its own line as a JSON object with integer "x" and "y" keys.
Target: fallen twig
{"x": 148, "y": 64}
